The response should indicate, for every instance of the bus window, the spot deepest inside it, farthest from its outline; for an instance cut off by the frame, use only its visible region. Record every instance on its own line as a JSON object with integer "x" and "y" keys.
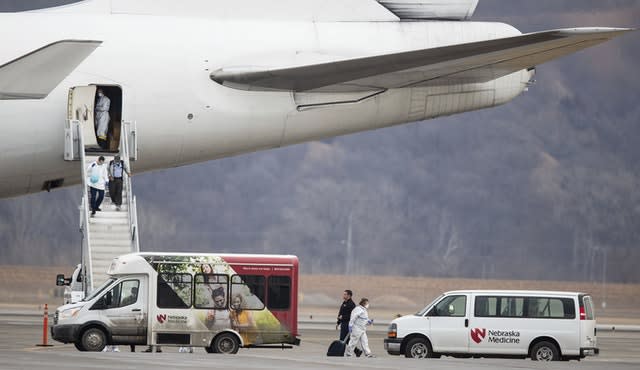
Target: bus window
{"x": 211, "y": 291}
{"x": 279, "y": 292}
{"x": 251, "y": 288}
{"x": 174, "y": 290}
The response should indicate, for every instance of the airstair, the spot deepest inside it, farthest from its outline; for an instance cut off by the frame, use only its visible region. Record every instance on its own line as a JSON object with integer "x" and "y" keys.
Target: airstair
{"x": 108, "y": 233}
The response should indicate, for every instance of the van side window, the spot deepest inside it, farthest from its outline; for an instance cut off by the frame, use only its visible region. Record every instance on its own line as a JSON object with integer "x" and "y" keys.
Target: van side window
{"x": 554, "y": 308}
{"x": 511, "y": 306}
{"x": 174, "y": 290}
{"x": 451, "y": 306}
{"x": 121, "y": 295}
{"x": 129, "y": 292}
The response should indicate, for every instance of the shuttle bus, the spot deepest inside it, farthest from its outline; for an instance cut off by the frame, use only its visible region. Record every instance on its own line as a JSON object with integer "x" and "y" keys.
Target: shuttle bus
{"x": 220, "y": 302}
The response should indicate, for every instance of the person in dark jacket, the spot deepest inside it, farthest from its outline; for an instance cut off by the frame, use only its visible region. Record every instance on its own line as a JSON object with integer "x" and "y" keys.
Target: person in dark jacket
{"x": 345, "y": 313}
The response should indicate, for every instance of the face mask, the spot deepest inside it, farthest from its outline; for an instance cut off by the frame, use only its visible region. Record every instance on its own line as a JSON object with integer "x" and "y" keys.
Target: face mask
{"x": 366, "y": 306}
{"x": 100, "y": 94}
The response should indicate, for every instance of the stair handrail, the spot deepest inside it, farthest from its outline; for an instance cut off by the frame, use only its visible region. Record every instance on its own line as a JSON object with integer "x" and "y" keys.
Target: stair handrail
{"x": 131, "y": 200}
{"x": 84, "y": 212}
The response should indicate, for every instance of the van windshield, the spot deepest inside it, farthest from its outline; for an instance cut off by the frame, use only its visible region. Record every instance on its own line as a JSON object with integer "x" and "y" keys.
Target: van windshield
{"x": 99, "y": 290}
{"x": 426, "y": 309}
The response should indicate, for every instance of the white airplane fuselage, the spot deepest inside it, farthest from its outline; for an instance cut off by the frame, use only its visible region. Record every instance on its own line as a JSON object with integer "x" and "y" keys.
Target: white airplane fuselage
{"x": 163, "y": 64}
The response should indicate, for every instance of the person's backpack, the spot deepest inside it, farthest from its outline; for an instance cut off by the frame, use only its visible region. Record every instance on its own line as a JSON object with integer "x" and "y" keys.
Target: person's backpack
{"x": 111, "y": 173}
{"x": 95, "y": 176}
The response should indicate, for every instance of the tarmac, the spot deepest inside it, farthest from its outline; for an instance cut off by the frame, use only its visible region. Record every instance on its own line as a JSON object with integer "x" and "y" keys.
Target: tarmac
{"x": 23, "y": 331}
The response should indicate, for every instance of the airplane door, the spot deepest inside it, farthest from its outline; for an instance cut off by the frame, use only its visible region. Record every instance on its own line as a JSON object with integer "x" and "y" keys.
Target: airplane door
{"x": 81, "y": 107}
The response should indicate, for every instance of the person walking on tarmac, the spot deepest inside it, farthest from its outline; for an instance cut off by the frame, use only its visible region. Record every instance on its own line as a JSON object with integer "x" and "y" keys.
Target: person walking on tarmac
{"x": 345, "y": 313}
{"x": 358, "y": 329}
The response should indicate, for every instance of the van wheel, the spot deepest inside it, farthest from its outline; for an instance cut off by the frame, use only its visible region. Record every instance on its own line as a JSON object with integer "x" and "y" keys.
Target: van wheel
{"x": 544, "y": 351}
{"x": 209, "y": 349}
{"x": 93, "y": 340}
{"x": 418, "y": 348}
{"x": 226, "y": 343}
{"x": 79, "y": 346}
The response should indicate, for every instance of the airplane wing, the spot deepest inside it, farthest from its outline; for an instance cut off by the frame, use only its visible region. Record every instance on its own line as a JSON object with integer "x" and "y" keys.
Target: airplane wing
{"x": 462, "y": 63}
{"x": 34, "y": 75}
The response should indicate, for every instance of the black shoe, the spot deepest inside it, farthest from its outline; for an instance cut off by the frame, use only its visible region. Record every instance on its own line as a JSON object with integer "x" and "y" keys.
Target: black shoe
{"x": 147, "y": 350}
{"x": 98, "y": 209}
{"x": 159, "y": 351}
{"x": 93, "y": 213}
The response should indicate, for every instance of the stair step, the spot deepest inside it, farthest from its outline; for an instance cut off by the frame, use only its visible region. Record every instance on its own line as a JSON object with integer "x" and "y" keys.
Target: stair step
{"x": 108, "y": 221}
{"x": 122, "y": 243}
{"x": 109, "y": 214}
{"x": 102, "y": 235}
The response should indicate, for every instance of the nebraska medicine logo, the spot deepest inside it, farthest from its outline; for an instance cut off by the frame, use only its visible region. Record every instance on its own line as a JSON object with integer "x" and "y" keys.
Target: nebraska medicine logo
{"x": 495, "y": 336}
{"x": 161, "y": 318}
{"x": 478, "y": 334}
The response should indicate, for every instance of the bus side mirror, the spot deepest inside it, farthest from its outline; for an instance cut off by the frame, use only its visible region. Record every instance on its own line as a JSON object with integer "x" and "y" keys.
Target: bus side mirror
{"x": 62, "y": 281}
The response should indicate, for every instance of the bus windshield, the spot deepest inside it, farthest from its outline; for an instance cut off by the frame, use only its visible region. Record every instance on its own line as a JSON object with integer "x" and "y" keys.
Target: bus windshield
{"x": 99, "y": 289}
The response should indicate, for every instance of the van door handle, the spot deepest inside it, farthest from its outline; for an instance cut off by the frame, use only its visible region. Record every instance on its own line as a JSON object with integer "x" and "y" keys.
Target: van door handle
{"x": 136, "y": 310}
{"x": 466, "y": 323}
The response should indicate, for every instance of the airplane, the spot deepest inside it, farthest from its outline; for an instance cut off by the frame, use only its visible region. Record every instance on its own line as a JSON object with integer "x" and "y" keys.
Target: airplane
{"x": 207, "y": 79}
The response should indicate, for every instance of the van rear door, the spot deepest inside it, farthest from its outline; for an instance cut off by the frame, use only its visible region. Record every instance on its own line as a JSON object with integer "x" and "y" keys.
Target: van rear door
{"x": 587, "y": 322}
{"x": 448, "y": 322}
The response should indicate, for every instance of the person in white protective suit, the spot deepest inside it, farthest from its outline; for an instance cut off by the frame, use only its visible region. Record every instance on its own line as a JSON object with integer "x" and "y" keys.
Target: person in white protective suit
{"x": 102, "y": 115}
{"x": 358, "y": 329}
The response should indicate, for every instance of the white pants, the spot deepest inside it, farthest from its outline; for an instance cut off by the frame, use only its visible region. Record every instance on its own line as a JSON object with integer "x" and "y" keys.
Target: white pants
{"x": 358, "y": 338}
{"x": 102, "y": 124}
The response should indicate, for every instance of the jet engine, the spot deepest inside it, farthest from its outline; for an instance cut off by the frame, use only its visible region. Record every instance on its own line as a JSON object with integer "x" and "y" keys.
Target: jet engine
{"x": 459, "y": 10}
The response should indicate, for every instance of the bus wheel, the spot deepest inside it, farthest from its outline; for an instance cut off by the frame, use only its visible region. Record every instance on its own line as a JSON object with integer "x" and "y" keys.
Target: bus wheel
{"x": 93, "y": 340}
{"x": 544, "y": 351}
{"x": 226, "y": 343}
{"x": 418, "y": 348}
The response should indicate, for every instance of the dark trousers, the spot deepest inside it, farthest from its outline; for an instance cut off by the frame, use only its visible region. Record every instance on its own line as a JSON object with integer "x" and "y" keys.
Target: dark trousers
{"x": 96, "y": 198}
{"x": 115, "y": 190}
{"x": 344, "y": 330}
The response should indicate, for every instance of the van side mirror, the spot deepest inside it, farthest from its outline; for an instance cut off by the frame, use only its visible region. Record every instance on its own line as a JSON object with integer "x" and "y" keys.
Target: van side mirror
{"x": 62, "y": 281}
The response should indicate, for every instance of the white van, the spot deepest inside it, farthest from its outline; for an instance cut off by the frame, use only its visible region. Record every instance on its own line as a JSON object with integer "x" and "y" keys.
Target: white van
{"x": 542, "y": 325}
{"x": 220, "y": 302}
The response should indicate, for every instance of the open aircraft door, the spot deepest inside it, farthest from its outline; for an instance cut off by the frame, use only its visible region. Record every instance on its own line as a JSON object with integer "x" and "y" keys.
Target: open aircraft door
{"x": 81, "y": 108}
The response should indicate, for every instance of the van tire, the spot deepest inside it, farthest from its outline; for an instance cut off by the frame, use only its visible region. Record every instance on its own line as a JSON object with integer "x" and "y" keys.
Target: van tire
{"x": 545, "y": 351}
{"x": 79, "y": 346}
{"x": 226, "y": 343}
{"x": 418, "y": 348}
{"x": 93, "y": 340}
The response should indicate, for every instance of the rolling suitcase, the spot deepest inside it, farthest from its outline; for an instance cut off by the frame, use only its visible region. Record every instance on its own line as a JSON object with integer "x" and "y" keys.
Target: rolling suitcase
{"x": 336, "y": 348}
